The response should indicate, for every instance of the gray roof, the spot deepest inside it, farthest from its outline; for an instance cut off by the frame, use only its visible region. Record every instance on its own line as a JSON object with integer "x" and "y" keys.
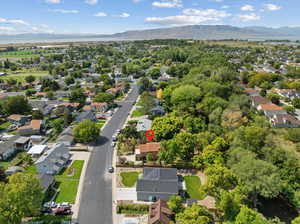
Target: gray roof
{"x": 50, "y": 151}
{"x": 45, "y": 180}
{"x": 66, "y": 135}
{"x": 159, "y": 180}
{"x": 86, "y": 115}
{"x": 7, "y": 145}
{"x": 143, "y": 125}
{"x": 22, "y": 140}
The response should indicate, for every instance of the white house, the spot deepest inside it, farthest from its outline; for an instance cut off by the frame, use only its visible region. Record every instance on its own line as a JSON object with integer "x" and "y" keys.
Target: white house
{"x": 53, "y": 160}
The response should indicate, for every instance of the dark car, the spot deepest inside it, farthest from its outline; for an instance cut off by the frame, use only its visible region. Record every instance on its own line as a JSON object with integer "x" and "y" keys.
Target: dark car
{"x": 111, "y": 169}
{"x": 62, "y": 211}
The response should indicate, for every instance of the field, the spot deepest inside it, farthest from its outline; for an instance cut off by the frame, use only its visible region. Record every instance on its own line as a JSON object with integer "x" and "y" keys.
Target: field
{"x": 20, "y": 75}
{"x": 24, "y": 54}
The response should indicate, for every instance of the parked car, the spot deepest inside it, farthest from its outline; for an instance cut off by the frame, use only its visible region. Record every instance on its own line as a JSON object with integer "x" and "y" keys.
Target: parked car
{"x": 64, "y": 205}
{"x": 50, "y": 204}
{"x": 62, "y": 211}
{"x": 113, "y": 144}
{"x": 111, "y": 169}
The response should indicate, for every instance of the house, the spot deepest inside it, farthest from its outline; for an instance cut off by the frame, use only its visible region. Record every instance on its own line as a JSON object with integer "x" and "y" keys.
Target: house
{"x": 86, "y": 115}
{"x": 258, "y": 100}
{"x": 34, "y": 128}
{"x": 37, "y": 150}
{"x": 159, "y": 213}
{"x": 284, "y": 121}
{"x": 158, "y": 110}
{"x": 99, "y": 107}
{"x": 271, "y": 109}
{"x": 251, "y": 92}
{"x": 7, "y": 147}
{"x": 22, "y": 144}
{"x": 68, "y": 105}
{"x": 53, "y": 160}
{"x": 66, "y": 137}
{"x": 46, "y": 181}
{"x": 18, "y": 119}
{"x": 288, "y": 93}
{"x": 142, "y": 150}
{"x": 143, "y": 124}
{"x": 13, "y": 169}
{"x": 157, "y": 183}
{"x": 113, "y": 91}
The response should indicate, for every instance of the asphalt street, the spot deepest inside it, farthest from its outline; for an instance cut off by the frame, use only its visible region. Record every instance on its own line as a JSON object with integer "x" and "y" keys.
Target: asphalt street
{"x": 96, "y": 199}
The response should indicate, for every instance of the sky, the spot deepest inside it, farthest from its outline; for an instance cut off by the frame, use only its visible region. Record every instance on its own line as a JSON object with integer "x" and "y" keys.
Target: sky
{"x": 113, "y": 16}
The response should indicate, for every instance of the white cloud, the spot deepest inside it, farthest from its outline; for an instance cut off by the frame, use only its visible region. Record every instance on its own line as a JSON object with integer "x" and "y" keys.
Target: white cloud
{"x": 225, "y": 7}
{"x": 249, "y": 17}
{"x": 64, "y": 11}
{"x": 190, "y": 17}
{"x": 100, "y": 14}
{"x": 136, "y": 1}
{"x": 123, "y": 15}
{"x": 247, "y": 8}
{"x": 53, "y": 1}
{"x": 168, "y": 4}
{"x": 272, "y": 7}
{"x": 14, "y": 22}
{"x": 91, "y": 2}
{"x": 218, "y": 0}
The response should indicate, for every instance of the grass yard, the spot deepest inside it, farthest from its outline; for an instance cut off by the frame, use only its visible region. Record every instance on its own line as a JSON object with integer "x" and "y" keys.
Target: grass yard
{"x": 193, "y": 185}
{"x": 20, "y": 77}
{"x": 31, "y": 170}
{"x": 137, "y": 113}
{"x": 100, "y": 123}
{"x": 129, "y": 178}
{"x": 68, "y": 182}
{"x": 4, "y": 165}
{"x": 5, "y": 125}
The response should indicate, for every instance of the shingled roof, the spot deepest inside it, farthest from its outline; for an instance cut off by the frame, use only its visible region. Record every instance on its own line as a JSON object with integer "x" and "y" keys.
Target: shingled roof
{"x": 159, "y": 213}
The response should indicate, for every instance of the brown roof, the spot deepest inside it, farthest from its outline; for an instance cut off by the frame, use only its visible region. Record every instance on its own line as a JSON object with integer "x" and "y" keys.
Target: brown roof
{"x": 34, "y": 124}
{"x": 159, "y": 212}
{"x": 70, "y": 104}
{"x": 15, "y": 117}
{"x": 250, "y": 90}
{"x": 98, "y": 104}
{"x": 283, "y": 118}
{"x": 260, "y": 100}
{"x": 87, "y": 107}
{"x": 149, "y": 147}
{"x": 270, "y": 107}
{"x": 208, "y": 202}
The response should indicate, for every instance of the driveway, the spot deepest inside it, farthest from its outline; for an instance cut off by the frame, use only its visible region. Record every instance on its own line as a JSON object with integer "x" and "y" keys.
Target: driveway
{"x": 126, "y": 194}
{"x": 96, "y": 198}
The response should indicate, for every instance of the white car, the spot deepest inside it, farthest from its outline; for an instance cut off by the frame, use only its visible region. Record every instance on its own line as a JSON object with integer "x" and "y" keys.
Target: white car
{"x": 113, "y": 144}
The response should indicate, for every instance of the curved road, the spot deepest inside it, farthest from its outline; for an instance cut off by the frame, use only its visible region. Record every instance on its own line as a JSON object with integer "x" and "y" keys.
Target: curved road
{"x": 96, "y": 198}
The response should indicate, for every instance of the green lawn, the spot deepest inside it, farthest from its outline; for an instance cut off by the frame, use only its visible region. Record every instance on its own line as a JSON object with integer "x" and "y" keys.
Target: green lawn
{"x": 193, "y": 185}
{"x": 20, "y": 77}
{"x": 31, "y": 170}
{"x": 68, "y": 182}
{"x": 100, "y": 124}
{"x": 5, "y": 125}
{"x": 4, "y": 165}
{"x": 129, "y": 178}
{"x": 137, "y": 113}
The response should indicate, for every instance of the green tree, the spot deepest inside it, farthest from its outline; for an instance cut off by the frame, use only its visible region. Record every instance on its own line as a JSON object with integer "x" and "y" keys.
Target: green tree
{"x": 186, "y": 97}
{"x": 37, "y": 115}
{"x": 30, "y": 79}
{"x": 194, "y": 124}
{"x": 175, "y": 203}
{"x": 16, "y": 105}
{"x": 166, "y": 127}
{"x": 146, "y": 102}
{"x": 274, "y": 97}
{"x": 86, "y": 131}
{"x": 78, "y": 96}
{"x": 149, "y": 157}
{"x": 258, "y": 177}
{"x": 104, "y": 97}
{"x": 296, "y": 103}
{"x": 296, "y": 220}
{"x": 154, "y": 72}
{"x": 186, "y": 144}
{"x": 194, "y": 214}
{"x": 229, "y": 203}
{"x": 21, "y": 196}
{"x": 249, "y": 216}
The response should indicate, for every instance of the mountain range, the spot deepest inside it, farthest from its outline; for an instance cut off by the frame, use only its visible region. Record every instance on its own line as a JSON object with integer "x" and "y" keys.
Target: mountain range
{"x": 198, "y": 32}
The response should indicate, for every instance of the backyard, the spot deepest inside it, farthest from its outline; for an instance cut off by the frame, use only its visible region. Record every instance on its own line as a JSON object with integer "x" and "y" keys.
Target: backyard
{"x": 193, "y": 186}
{"x": 129, "y": 178}
{"x": 68, "y": 182}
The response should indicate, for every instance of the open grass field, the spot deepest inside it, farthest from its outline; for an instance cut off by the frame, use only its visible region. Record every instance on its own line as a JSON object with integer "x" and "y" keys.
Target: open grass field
{"x": 4, "y": 125}
{"x": 68, "y": 182}
{"x": 24, "y": 54}
{"x": 129, "y": 178}
{"x": 20, "y": 76}
{"x": 193, "y": 185}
